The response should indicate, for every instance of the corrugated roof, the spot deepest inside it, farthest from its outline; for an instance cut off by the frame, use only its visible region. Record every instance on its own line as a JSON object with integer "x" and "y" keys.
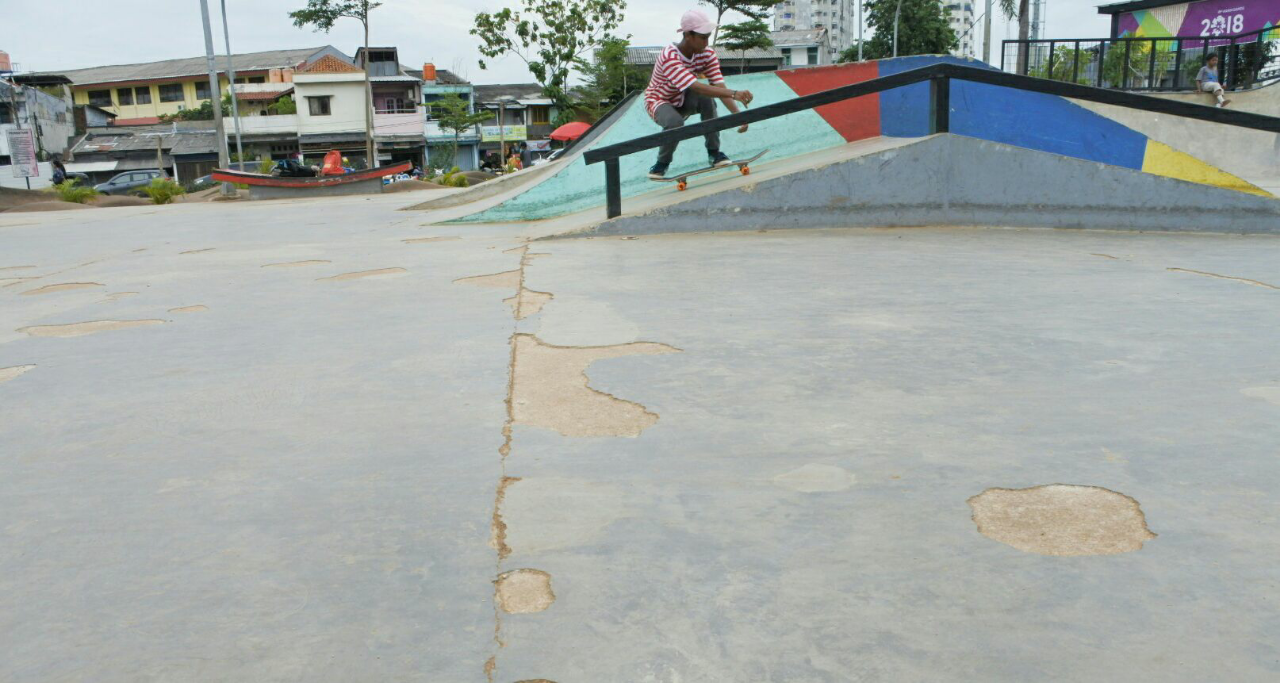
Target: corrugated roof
{"x": 263, "y": 96}
{"x": 516, "y": 91}
{"x": 191, "y": 66}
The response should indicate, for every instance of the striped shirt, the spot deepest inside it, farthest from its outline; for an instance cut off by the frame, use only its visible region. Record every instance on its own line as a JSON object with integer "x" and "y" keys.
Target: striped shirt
{"x": 673, "y": 73}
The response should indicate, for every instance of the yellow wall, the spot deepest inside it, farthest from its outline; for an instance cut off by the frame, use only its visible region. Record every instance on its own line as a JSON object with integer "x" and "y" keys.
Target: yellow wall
{"x": 156, "y": 107}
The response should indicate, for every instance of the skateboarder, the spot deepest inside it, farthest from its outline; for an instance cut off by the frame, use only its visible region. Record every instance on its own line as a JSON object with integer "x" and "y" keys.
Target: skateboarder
{"x": 674, "y": 92}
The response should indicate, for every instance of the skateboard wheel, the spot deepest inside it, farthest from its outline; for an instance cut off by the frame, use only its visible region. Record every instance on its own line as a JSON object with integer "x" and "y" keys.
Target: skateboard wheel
{"x": 681, "y": 185}
{"x": 746, "y": 170}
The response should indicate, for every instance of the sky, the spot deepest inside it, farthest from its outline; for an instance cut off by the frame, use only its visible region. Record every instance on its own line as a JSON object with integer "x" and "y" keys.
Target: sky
{"x": 39, "y": 39}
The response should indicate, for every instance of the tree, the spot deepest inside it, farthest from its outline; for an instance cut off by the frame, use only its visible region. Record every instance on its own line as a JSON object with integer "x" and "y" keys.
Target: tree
{"x": 453, "y": 113}
{"x": 922, "y": 28}
{"x": 607, "y": 78}
{"x": 550, "y": 36}
{"x": 748, "y": 35}
{"x": 322, "y": 14}
{"x": 752, "y": 9}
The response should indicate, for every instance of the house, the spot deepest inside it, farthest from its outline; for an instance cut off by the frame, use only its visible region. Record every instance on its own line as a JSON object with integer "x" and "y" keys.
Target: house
{"x": 397, "y": 115}
{"x": 23, "y": 104}
{"x": 527, "y": 117}
{"x": 186, "y": 150}
{"x": 439, "y": 83}
{"x": 332, "y": 106}
{"x": 141, "y": 93}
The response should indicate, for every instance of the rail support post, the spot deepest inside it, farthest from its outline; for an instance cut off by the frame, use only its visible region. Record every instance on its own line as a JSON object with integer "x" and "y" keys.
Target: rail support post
{"x": 612, "y": 188}
{"x": 940, "y": 99}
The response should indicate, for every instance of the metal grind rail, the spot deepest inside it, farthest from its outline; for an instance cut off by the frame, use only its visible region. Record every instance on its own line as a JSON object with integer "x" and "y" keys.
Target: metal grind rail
{"x": 939, "y": 77}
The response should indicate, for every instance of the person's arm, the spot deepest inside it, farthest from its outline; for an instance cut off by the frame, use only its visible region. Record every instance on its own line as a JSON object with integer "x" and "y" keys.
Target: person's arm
{"x": 729, "y": 97}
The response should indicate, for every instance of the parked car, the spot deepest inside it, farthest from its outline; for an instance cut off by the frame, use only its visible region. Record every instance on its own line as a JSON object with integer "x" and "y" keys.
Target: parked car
{"x": 130, "y": 182}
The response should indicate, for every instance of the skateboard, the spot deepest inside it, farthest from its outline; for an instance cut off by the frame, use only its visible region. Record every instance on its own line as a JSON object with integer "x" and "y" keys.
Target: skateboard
{"x": 682, "y": 180}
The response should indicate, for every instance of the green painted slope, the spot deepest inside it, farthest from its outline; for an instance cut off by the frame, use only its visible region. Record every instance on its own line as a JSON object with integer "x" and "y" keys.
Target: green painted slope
{"x": 578, "y": 186}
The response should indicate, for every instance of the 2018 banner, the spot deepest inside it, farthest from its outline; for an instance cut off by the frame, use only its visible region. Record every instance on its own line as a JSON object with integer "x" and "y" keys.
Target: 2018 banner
{"x": 1207, "y": 19}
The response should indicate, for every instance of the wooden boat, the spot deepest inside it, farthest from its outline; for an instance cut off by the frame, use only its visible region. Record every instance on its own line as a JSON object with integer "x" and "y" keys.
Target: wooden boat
{"x": 223, "y": 175}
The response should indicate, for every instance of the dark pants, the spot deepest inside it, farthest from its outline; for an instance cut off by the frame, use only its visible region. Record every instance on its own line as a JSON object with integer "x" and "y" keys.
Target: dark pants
{"x": 669, "y": 117}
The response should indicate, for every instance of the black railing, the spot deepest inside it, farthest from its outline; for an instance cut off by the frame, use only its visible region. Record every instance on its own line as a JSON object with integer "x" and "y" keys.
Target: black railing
{"x": 939, "y": 77}
{"x": 1165, "y": 64}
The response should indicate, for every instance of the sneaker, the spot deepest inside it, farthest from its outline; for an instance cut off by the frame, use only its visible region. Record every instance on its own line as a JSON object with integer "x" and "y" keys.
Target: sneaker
{"x": 659, "y": 171}
{"x": 718, "y": 159}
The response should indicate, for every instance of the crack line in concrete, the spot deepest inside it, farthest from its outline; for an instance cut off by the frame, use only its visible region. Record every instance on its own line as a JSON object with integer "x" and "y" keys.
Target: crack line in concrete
{"x": 1224, "y": 277}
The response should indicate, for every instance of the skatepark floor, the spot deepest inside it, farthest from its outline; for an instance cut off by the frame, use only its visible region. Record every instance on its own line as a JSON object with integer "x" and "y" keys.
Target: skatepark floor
{"x": 330, "y": 440}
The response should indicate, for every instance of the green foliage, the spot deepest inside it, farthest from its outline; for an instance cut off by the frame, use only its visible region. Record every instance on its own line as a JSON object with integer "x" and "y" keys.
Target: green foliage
{"x": 265, "y": 166}
{"x": 757, "y": 10}
{"x": 284, "y": 105}
{"x": 459, "y": 180}
{"x": 747, "y": 35}
{"x": 202, "y": 113}
{"x": 607, "y": 79}
{"x": 549, "y": 36}
{"x": 1064, "y": 66}
{"x": 923, "y": 29}
{"x": 322, "y": 14}
{"x": 1119, "y": 72}
{"x": 72, "y": 191}
{"x": 453, "y": 113}
{"x": 163, "y": 190}
{"x": 454, "y": 178}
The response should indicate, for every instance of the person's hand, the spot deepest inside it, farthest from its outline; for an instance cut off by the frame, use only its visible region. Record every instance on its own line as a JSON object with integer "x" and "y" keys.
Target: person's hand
{"x": 742, "y": 128}
{"x": 743, "y": 96}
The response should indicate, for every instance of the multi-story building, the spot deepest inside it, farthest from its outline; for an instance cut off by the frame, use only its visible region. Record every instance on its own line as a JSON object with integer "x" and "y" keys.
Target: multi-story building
{"x": 809, "y": 47}
{"x": 398, "y": 116}
{"x": 960, "y": 18}
{"x": 27, "y": 106}
{"x": 438, "y": 83}
{"x": 527, "y": 118}
{"x": 839, "y": 17}
{"x": 141, "y": 93}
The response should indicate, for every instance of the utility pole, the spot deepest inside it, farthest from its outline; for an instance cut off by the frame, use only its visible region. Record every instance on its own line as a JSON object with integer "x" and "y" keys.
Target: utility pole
{"x": 13, "y": 107}
{"x": 859, "y": 29}
{"x": 896, "y": 13}
{"x": 986, "y": 35}
{"x": 231, "y": 86}
{"x": 223, "y": 156}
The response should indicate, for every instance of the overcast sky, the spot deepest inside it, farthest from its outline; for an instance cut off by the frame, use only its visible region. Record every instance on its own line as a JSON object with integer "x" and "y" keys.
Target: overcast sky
{"x": 40, "y": 38}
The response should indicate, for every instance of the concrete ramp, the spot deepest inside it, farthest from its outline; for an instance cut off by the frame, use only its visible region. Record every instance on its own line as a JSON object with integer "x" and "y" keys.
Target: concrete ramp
{"x": 949, "y": 180}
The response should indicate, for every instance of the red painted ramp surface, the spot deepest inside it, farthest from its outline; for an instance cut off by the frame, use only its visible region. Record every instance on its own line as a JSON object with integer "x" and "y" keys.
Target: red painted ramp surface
{"x": 856, "y": 119}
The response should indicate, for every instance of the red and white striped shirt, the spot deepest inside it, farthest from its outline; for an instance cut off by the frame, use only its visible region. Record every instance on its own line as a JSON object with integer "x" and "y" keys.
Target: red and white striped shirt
{"x": 673, "y": 73}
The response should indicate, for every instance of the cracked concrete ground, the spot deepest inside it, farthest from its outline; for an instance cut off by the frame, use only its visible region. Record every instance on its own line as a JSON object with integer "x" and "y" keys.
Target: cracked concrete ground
{"x": 326, "y": 481}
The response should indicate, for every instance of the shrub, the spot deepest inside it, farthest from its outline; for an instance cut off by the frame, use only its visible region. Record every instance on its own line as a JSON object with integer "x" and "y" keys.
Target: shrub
{"x": 459, "y": 180}
{"x": 163, "y": 190}
{"x": 265, "y": 166}
{"x": 73, "y": 191}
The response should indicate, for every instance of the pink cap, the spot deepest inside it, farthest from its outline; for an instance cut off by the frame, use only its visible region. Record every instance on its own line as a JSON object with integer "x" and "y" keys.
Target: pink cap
{"x": 696, "y": 21}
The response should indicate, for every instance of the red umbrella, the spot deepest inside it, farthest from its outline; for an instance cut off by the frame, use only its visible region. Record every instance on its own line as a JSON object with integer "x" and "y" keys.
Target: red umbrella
{"x": 570, "y": 131}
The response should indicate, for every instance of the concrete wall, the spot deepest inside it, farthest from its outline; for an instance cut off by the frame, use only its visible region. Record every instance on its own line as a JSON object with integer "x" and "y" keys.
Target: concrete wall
{"x": 931, "y": 182}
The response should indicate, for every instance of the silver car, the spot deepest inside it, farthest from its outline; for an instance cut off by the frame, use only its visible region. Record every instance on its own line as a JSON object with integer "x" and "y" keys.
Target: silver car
{"x": 130, "y": 182}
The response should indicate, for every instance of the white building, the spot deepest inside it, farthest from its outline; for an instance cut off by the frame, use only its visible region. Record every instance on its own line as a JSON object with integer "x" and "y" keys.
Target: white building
{"x": 839, "y": 17}
{"x": 960, "y": 17}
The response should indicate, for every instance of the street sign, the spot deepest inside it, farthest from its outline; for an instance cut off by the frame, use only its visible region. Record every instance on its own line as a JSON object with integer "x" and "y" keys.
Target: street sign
{"x": 22, "y": 152}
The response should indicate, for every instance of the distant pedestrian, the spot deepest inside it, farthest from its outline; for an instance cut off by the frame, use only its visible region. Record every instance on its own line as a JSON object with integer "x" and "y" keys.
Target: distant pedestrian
{"x": 59, "y": 172}
{"x": 1207, "y": 80}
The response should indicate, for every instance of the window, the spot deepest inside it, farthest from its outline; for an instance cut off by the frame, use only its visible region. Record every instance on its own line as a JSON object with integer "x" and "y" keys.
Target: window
{"x": 124, "y": 95}
{"x": 202, "y": 90}
{"x": 171, "y": 92}
{"x": 5, "y": 116}
{"x": 540, "y": 115}
{"x": 100, "y": 98}
{"x": 143, "y": 94}
{"x": 319, "y": 106}
{"x": 813, "y": 55}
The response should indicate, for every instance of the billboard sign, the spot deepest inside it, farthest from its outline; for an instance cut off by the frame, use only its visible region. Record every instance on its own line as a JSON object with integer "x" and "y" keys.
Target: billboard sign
{"x": 22, "y": 153}
{"x": 511, "y": 134}
{"x": 1205, "y": 19}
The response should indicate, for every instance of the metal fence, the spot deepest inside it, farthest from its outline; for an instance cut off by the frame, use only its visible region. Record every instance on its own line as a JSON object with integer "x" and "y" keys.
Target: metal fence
{"x": 1244, "y": 60}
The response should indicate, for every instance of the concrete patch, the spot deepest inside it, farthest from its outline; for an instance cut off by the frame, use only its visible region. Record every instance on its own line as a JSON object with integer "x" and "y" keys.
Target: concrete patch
{"x": 198, "y": 308}
{"x": 524, "y": 591}
{"x": 9, "y": 373}
{"x": 1269, "y": 394}
{"x": 116, "y": 296}
{"x": 81, "y": 329}
{"x": 816, "y": 478}
{"x": 509, "y": 279}
{"x": 1061, "y": 520}
{"x": 363, "y": 274}
{"x": 63, "y": 287}
{"x": 584, "y": 321}
{"x": 528, "y": 302}
{"x": 421, "y": 240}
{"x": 296, "y": 264}
{"x": 549, "y": 389}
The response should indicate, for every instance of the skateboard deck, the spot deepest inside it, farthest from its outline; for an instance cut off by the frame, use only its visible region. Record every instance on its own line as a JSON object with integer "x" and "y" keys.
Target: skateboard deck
{"x": 682, "y": 179}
